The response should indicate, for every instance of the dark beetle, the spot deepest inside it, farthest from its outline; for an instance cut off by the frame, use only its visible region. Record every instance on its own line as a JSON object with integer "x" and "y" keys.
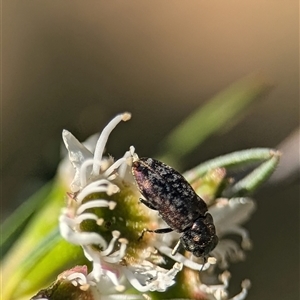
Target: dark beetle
{"x": 167, "y": 191}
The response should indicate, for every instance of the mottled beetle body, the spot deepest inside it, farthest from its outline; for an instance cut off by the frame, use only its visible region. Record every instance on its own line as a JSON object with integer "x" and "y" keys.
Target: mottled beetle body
{"x": 167, "y": 191}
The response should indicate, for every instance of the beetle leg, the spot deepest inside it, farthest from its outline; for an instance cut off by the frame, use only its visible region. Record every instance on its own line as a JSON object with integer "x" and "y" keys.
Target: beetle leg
{"x": 160, "y": 230}
{"x": 145, "y": 202}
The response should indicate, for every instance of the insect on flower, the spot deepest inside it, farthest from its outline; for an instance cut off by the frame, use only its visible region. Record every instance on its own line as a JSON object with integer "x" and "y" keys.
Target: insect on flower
{"x": 167, "y": 191}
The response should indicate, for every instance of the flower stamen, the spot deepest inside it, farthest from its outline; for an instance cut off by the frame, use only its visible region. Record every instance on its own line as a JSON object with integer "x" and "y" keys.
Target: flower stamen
{"x": 93, "y": 204}
{"x": 118, "y": 255}
{"x": 111, "y": 245}
{"x": 103, "y": 140}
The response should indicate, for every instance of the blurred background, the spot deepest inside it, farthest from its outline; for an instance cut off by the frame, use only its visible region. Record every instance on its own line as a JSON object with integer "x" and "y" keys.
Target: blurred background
{"x": 75, "y": 65}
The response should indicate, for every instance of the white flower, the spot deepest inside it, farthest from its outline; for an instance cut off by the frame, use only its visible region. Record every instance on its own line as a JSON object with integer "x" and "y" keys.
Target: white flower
{"x": 96, "y": 181}
{"x": 105, "y": 218}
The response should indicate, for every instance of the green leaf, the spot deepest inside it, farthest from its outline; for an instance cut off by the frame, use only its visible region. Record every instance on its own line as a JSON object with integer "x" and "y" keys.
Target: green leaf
{"x": 267, "y": 158}
{"x": 14, "y": 225}
{"x": 258, "y": 176}
{"x": 225, "y": 107}
{"x": 234, "y": 160}
{"x": 33, "y": 250}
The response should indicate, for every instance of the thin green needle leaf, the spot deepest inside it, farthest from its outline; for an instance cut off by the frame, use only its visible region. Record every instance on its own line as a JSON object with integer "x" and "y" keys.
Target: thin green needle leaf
{"x": 226, "y": 106}
{"x": 229, "y": 161}
{"x": 259, "y": 175}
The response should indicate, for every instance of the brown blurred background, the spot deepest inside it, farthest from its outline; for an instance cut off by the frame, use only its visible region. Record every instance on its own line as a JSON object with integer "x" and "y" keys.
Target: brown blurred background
{"x": 75, "y": 64}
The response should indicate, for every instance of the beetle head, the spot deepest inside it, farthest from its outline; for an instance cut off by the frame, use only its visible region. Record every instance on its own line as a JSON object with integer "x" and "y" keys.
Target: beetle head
{"x": 201, "y": 238}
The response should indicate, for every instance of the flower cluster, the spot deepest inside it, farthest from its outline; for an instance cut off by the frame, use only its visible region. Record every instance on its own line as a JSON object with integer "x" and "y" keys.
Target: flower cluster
{"x": 105, "y": 217}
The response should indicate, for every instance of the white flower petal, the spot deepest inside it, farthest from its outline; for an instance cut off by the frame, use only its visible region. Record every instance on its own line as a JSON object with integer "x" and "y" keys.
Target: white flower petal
{"x": 228, "y": 213}
{"x": 78, "y": 154}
